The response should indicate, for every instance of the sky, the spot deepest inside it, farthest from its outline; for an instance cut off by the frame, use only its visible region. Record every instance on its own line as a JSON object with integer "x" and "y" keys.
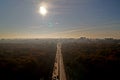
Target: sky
{"x": 64, "y": 19}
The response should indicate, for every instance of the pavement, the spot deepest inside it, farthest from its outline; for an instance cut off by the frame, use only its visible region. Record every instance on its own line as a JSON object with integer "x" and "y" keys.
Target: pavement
{"x": 59, "y": 70}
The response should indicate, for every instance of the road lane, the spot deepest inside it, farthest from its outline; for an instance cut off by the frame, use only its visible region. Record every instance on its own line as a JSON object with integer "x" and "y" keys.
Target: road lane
{"x": 58, "y": 70}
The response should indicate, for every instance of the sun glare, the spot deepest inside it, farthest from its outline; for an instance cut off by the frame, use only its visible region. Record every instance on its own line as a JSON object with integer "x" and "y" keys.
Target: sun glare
{"x": 43, "y": 10}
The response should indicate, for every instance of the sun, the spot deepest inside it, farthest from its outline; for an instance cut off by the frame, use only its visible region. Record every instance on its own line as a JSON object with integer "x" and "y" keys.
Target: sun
{"x": 43, "y": 10}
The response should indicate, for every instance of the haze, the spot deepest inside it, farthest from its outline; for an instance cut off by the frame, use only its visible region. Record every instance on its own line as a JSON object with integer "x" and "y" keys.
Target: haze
{"x": 65, "y": 19}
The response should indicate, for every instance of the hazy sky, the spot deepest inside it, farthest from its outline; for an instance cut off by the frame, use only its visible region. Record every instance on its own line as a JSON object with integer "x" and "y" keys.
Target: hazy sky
{"x": 65, "y": 18}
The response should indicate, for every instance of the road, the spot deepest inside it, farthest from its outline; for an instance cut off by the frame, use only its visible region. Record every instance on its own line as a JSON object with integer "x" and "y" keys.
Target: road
{"x": 58, "y": 70}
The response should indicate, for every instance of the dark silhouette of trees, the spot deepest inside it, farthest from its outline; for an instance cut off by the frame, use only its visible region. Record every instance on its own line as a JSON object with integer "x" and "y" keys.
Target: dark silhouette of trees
{"x": 91, "y": 61}
{"x": 27, "y": 61}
